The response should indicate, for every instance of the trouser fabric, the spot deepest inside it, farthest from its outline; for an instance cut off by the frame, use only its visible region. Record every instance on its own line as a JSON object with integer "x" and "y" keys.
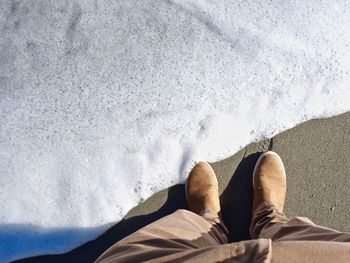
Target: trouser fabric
{"x": 187, "y": 237}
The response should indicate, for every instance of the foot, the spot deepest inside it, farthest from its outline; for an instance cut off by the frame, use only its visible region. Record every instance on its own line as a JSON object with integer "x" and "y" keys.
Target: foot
{"x": 202, "y": 190}
{"x": 269, "y": 181}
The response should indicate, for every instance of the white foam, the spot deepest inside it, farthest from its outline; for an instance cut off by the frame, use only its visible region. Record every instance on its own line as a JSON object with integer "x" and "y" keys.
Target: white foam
{"x": 105, "y": 102}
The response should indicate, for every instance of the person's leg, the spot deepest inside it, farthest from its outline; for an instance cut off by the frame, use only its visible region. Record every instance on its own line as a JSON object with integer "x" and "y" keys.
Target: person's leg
{"x": 172, "y": 234}
{"x": 183, "y": 230}
{"x": 269, "y": 221}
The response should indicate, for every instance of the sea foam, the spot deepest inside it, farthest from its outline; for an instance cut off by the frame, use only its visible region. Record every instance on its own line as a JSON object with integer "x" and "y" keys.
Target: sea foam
{"x": 105, "y": 102}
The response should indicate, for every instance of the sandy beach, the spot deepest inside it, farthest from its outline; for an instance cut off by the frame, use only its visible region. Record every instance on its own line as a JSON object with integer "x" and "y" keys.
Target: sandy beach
{"x": 317, "y": 161}
{"x": 106, "y": 103}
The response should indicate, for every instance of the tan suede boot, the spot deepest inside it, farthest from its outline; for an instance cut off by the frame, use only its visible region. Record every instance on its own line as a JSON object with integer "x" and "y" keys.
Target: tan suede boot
{"x": 202, "y": 190}
{"x": 269, "y": 181}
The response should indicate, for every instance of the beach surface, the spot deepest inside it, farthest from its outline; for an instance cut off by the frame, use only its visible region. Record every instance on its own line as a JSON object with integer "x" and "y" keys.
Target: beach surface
{"x": 317, "y": 160}
{"x": 105, "y": 103}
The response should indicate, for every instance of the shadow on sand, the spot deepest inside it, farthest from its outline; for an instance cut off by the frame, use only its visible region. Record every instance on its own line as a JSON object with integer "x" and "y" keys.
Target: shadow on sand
{"x": 236, "y": 202}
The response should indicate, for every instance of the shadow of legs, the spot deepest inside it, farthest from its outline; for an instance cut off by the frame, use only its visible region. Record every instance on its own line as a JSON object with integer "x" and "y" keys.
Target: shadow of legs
{"x": 237, "y": 200}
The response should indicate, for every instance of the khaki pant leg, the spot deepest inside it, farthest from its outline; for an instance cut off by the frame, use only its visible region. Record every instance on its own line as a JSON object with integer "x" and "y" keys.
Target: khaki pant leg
{"x": 310, "y": 252}
{"x": 268, "y": 222}
{"x": 174, "y": 233}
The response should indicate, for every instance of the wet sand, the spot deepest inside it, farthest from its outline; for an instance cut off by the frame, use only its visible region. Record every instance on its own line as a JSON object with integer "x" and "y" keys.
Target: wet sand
{"x": 316, "y": 155}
